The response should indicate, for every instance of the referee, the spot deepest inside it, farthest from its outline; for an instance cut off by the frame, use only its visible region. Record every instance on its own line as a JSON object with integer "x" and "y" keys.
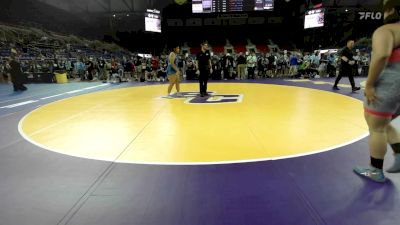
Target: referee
{"x": 203, "y": 65}
{"x": 347, "y": 64}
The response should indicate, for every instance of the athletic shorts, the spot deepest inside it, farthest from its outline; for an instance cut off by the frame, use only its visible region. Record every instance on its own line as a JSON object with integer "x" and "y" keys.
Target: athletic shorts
{"x": 387, "y": 89}
{"x": 170, "y": 71}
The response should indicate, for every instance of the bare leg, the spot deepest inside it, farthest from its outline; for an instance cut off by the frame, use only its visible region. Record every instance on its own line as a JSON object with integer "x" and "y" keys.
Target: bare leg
{"x": 378, "y": 136}
{"x": 393, "y": 138}
{"x": 377, "y": 147}
{"x": 172, "y": 81}
{"x": 392, "y": 135}
{"x": 177, "y": 86}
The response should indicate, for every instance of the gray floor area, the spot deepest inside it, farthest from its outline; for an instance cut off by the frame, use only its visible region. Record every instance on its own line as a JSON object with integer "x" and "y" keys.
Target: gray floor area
{"x": 38, "y": 187}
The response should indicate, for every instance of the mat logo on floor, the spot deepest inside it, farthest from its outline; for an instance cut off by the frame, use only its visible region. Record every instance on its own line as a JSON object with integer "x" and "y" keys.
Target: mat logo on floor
{"x": 216, "y": 99}
{"x": 212, "y": 98}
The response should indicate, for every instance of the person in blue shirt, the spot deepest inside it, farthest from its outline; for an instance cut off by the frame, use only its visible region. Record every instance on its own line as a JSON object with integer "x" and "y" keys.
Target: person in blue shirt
{"x": 331, "y": 68}
{"x": 173, "y": 72}
{"x": 293, "y": 64}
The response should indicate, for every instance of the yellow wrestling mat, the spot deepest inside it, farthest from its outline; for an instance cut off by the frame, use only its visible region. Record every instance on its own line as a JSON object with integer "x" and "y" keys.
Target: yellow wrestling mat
{"x": 240, "y": 123}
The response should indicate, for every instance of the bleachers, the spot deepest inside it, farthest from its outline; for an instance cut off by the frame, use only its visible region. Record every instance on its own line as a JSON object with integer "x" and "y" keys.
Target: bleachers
{"x": 262, "y": 48}
{"x": 5, "y": 52}
{"x": 218, "y": 49}
{"x": 238, "y": 47}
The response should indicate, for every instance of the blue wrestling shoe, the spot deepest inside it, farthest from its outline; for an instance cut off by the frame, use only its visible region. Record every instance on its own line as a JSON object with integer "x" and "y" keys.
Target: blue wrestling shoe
{"x": 395, "y": 168}
{"x": 371, "y": 173}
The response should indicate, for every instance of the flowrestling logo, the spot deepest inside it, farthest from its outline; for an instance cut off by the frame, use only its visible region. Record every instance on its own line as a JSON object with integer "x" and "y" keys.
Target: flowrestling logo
{"x": 370, "y": 15}
{"x": 212, "y": 98}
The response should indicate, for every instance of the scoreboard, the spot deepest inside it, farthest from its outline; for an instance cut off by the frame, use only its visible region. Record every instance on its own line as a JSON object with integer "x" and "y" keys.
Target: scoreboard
{"x": 218, "y": 6}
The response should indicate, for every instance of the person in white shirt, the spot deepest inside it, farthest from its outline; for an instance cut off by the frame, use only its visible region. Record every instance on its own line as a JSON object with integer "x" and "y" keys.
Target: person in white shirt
{"x": 251, "y": 64}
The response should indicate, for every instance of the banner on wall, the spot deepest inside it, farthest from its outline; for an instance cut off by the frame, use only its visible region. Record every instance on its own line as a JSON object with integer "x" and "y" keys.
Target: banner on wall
{"x": 369, "y": 15}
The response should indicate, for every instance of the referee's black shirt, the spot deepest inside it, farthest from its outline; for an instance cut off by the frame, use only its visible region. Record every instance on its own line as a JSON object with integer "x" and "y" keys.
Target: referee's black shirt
{"x": 203, "y": 60}
{"x": 349, "y": 54}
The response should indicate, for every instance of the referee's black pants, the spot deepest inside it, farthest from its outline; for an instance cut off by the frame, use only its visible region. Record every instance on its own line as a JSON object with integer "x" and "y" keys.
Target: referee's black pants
{"x": 203, "y": 79}
{"x": 346, "y": 72}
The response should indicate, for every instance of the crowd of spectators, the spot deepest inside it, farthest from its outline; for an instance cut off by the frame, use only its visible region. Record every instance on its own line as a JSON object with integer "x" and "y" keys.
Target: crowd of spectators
{"x": 82, "y": 62}
{"x": 133, "y": 67}
{"x": 275, "y": 64}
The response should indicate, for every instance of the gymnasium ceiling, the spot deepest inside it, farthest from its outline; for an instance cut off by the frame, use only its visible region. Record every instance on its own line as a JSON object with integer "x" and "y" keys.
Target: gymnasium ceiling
{"x": 98, "y": 6}
{"x": 107, "y": 6}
